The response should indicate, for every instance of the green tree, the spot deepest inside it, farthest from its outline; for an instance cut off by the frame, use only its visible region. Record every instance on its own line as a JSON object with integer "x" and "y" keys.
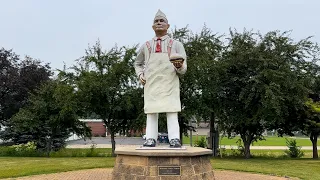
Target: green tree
{"x": 197, "y": 84}
{"x": 18, "y": 78}
{"x": 102, "y": 80}
{"x": 132, "y": 117}
{"x": 311, "y": 125}
{"x": 260, "y": 83}
{"x": 48, "y": 119}
{"x": 9, "y": 77}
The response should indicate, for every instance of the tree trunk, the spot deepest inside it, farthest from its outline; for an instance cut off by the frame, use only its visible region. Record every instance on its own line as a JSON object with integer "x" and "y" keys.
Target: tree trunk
{"x": 247, "y": 139}
{"x": 314, "y": 140}
{"x": 113, "y": 142}
{"x": 180, "y": 120}
{"x": 190, "y": 124}
{"x": 247, "y": 153}
{"x": 212, "y": 137}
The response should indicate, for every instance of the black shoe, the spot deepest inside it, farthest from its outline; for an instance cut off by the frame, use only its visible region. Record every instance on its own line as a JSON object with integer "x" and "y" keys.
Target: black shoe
{"x": 175, "y": 143}
{"x": 150, "y": 143}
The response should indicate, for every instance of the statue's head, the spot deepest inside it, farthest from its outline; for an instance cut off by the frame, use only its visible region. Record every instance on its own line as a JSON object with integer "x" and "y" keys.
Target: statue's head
{"x": 160, "y": 23}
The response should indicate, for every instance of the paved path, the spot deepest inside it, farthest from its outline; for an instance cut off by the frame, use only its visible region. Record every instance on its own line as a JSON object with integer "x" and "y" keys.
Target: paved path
{"x": 101, "y": 142}
{"x": 227, "y": 147}
{"x": 105, "y": 174}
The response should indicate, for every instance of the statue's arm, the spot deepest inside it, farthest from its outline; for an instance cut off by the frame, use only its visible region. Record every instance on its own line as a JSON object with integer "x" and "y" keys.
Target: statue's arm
{"x": 180, "y": 50}
{"x": 140, "y": 61}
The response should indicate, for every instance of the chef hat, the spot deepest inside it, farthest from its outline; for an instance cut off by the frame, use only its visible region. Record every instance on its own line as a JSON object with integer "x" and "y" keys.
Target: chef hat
{"x": 175, "y": 56}
{"x": 160, "y": 14}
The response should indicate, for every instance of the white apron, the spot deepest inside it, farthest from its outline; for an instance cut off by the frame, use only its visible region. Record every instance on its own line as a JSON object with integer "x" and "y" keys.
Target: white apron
{"x": 162, "y": 88}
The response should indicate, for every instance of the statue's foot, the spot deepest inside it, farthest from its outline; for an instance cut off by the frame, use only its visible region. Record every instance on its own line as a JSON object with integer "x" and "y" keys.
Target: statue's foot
{"x": 175, "y": 143}
{"x": 149, "y": 143}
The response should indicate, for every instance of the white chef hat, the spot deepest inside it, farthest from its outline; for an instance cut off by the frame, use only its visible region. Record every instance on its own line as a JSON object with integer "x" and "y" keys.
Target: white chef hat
{"x": 159, "y": 15}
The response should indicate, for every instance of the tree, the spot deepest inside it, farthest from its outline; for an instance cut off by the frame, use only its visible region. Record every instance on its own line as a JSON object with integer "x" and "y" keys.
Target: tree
{"x": 48, "y": 119}
{"x": 102, "y": 80}
{"x": 9, "y": 77}
{"x": 312, "y": 125}
{"x": 132, "y": 115}
{"x": 205, "y": 50}
{"x": 309, "y": 117}
{"x": 18, "y": 78}
{"x": 260, "y": 86}
{"x": 202, "y": 51}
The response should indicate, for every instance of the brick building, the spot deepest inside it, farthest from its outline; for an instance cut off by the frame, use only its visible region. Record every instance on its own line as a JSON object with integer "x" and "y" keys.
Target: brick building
{"x": 98, "y": 128}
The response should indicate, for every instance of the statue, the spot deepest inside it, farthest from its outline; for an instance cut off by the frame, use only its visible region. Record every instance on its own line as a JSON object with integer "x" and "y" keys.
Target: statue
{"x": 158, "y": 64}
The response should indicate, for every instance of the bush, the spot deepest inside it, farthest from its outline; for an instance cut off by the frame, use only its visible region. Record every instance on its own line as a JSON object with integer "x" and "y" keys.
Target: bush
{"x": 239, "y": 152}
{"x": 21, "y": 150}
{"x": 201, "y": 143}
{"x": 294, "y": 151}
{"x": 29, "y": 150}
{"x": 92, "y": 152}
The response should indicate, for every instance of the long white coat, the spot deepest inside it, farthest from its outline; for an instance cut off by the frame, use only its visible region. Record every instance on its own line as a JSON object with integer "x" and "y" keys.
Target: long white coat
{"x": 169, "y": 98}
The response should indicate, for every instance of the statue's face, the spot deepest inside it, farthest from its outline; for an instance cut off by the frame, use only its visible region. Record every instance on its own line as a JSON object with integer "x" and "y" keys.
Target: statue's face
{"x": 160, "y": 25}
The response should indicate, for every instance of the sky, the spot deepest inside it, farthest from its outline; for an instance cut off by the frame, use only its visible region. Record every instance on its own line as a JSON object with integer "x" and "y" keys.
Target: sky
{"x": 59, "y": 31}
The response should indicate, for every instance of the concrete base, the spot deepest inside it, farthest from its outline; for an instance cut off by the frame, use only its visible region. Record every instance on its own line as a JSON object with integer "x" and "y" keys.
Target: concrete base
{"x": 191, "y": 163}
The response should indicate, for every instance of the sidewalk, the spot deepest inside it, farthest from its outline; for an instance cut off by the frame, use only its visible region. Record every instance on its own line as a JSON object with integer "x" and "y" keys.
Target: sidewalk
{"x": 226, "y": 146}
{"x": 105, "y": 174}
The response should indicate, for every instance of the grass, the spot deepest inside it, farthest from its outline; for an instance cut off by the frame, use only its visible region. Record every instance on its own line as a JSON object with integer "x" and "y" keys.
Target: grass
{"x": 271, "y": 153}
{"x": 302, "y": 168}
{"x": 266, "y": 162}
{"x": 19, "y": 166}
{"x": 270, "y": 141}
{"x": 306, "y": 169}
{"x": 74, "y": 152}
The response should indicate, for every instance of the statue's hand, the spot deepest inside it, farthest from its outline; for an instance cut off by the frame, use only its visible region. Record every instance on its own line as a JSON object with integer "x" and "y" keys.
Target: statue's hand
{"x": 142, "y": 79}
{"x": 178, "y": 64}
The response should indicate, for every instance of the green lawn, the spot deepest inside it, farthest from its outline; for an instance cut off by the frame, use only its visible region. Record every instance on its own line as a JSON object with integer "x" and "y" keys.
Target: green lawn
{"x": 271, "y": 153}
{"x": 270, "y": 141}
{"x": 19, "y": 166}
{"x": 307, "y": 169}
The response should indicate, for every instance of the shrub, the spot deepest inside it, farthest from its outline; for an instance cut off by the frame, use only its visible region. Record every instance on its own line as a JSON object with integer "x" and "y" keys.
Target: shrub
{"x": 294, "y": 151}
{"x": 21, "y": 150}
{"x": 201, "y": 143}
{"x": 28, "y": 150}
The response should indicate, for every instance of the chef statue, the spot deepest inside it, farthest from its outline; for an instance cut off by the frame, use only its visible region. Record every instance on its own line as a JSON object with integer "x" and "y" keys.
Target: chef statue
{"x": 159, "y": 63}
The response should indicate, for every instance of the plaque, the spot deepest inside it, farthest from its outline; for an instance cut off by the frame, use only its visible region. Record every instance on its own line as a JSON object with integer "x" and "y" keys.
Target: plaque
{"x": 169, "y": 170}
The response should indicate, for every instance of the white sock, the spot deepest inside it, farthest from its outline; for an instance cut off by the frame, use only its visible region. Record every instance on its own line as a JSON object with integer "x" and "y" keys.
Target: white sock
{"x": 152, "y": 126}
{"x": 173, "y": 125}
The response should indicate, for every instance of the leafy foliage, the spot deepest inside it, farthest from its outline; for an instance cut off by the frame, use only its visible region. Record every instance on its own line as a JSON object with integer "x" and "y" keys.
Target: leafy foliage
{"x": 260, "y": 83}
{"x": 18, "y": 78}
{"x": 48, "y": 119}
{"x": 201, "y": 143}
{"x": 294, "y": 151}
{"x": 106, "y": 86}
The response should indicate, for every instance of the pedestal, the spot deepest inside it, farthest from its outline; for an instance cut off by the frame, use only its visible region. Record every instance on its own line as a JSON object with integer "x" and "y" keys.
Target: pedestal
{"x": 191, "y": 163}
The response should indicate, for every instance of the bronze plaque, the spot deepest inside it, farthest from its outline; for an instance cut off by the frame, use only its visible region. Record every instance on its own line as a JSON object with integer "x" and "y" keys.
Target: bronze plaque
{"x": 169, "y": 170}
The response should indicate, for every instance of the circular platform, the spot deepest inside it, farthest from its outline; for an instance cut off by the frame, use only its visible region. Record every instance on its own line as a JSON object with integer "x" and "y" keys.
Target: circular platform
{"x": 162, "y": 163}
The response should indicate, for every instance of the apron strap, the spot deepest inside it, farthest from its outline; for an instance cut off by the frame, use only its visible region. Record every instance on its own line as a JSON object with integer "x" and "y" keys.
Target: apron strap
{"x": 170, "y": 47}
{"x": 148, "y": 46}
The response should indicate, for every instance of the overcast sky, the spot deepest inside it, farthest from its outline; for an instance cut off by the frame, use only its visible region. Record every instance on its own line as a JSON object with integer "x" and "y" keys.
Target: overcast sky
{"x": 59, "y": 31}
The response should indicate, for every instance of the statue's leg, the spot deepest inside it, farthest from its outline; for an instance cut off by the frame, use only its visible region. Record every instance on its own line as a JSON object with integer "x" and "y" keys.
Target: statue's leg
{"x": 173, "y": 125}
{"x": 152, "y": 126}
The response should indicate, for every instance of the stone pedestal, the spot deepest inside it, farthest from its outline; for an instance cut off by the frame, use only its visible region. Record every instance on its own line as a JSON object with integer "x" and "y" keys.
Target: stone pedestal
{"x": 191, "y": 163}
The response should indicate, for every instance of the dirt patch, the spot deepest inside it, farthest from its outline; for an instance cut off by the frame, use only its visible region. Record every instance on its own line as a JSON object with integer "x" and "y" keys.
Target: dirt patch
{"x": 105, "y": 174}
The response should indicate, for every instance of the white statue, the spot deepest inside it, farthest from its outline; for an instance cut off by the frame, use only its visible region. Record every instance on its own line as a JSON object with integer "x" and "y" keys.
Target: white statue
{"x": 158, "y": 63}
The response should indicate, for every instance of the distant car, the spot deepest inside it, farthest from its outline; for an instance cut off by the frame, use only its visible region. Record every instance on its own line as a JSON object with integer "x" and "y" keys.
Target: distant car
{"x": 163, "y": 138}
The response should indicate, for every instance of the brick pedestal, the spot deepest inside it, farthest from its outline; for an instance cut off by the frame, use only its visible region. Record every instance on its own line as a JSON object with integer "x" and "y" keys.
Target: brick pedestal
{"x": 131, "y": 164}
